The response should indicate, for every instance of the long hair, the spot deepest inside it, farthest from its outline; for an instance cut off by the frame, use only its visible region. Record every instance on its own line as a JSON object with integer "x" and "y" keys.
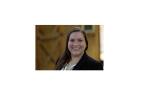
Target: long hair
{"x": 66, "y": 56}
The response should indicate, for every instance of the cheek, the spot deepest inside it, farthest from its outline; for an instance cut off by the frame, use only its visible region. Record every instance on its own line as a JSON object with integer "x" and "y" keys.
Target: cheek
{"x": 83, "y": 45}
{"x": 69, "y": 46}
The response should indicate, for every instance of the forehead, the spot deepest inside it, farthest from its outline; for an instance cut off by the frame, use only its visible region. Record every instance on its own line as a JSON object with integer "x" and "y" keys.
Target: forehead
{"x": 76, "y": 35}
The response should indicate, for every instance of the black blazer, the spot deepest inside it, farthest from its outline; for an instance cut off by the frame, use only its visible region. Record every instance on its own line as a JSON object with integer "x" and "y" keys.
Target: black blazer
{"x": 88, "y": 63}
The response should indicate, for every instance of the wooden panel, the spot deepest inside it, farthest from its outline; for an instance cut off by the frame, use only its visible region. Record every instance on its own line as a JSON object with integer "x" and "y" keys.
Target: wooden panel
{"x": 51, "y": 40}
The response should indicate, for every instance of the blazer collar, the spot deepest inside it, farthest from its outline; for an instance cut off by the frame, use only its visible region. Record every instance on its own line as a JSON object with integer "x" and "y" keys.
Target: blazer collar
{"x": 81, "y": 61}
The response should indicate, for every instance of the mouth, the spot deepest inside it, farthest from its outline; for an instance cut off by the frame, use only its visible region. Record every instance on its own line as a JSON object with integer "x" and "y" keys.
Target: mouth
{"x": 76, "y": 48}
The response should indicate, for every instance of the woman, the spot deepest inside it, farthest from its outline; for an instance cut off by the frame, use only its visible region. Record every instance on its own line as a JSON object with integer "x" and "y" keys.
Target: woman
{"x": 75, "y": 56}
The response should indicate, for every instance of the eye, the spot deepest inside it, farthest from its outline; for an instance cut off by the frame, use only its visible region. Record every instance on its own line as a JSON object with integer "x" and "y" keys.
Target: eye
{"x": 71, "y": 40}
{"x": 80, "y": 40}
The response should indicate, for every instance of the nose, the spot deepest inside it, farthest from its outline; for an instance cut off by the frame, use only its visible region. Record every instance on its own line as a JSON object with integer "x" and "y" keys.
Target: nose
{"x": 75, "y": 43}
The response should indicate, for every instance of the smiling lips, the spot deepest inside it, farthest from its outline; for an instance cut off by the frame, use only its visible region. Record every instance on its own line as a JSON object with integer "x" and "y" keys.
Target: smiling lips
{"x": 76, "y": 48}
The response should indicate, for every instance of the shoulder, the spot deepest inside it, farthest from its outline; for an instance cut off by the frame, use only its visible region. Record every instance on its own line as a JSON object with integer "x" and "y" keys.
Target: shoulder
{"x": 88, "y": 63}
{"x": 94, "y": 64}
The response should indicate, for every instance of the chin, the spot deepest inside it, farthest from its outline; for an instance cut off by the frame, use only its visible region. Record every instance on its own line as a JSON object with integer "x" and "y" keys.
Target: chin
{"x": 76, "y": 54}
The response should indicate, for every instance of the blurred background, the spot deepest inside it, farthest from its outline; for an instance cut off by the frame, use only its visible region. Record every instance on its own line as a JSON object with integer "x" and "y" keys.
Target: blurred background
{"x": 51, "y": 40}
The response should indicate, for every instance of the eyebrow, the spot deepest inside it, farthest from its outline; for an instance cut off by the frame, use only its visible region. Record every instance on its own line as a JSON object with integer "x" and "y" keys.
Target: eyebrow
{"x": 75, "y": 38}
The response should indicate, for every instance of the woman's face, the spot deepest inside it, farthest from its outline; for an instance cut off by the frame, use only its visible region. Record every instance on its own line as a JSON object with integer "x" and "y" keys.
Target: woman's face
{"x": 76, "y": 44}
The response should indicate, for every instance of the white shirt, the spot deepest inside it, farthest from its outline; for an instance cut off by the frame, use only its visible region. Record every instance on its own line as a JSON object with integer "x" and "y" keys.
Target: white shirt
{"x": 68, "y": 67}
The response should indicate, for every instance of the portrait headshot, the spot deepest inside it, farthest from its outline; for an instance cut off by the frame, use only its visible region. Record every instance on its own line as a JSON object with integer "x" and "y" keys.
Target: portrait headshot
{"x": 68, "y": 47}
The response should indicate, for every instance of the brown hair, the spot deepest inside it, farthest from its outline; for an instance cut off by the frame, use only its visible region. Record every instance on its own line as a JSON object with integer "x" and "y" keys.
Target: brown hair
{"x": 67, "y": 55}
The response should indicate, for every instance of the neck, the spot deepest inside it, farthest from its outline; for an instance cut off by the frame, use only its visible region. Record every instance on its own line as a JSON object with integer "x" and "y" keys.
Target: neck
{"x": 75, "y": 59}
